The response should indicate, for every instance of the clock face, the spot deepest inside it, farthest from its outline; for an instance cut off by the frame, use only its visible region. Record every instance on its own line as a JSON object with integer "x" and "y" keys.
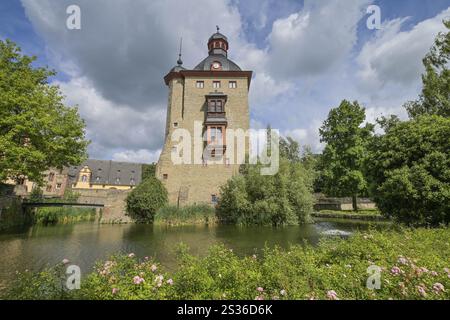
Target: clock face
{"x": 216, "y": 65}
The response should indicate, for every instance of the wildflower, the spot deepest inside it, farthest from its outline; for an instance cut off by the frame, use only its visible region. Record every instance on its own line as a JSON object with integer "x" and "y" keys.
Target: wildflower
{"x": 131, "y": 255}
{"x": 424, "y": 270}
{"x": 153, "y": 268}
{"x": 146, "y": 258}
{"x": 259, "y": 298}
{"x": 434, "y": 273}
{"x": 254, "y": 257}
{"x": 138, "y": 280}
{"x": 283, "y": 292}
{"x": 402, "y": 260}
{"x": 348, "y": 266}
{"x": 422, "y": 290}
{"x": 115, "y": 290}
{"x": 438, "y": 288}
{"x": 259, "y": 289}
{"x": 275, "y": 298}
{"x": 170, "y": 282}
{"x": 65, "y": 261}
{"x": 396, "y": 270}
{"x": 332, "y": 295}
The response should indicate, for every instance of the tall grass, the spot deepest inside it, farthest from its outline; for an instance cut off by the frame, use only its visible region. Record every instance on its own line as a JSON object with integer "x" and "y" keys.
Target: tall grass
{"x": 193, "y": 214}
{"x": 51, "y": 216}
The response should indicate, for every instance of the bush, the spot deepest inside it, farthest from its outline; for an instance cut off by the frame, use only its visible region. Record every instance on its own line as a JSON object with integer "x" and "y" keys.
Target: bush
{"x": 282, "y": 199}
{"x": 50, "y": 216}
{"x": 193, "y": 214}
{"x": 145, "y": 200}
{"x": 414, "y": 264}
{"x": 409, "y": 170}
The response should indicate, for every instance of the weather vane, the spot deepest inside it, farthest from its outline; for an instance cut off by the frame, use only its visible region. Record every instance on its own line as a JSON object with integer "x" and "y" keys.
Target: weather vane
{"x": 180, "y": 62}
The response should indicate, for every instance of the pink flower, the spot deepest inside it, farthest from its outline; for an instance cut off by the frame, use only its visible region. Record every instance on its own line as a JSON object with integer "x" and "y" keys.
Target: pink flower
{"x": 114, "y": 290}
{"x": 402, "y": 260}
{"x": 153, "y": 268}
{"x": 396, "y": 270}
{"x": 170, "y": 282}
{"x": 434, "y": 273}
{"x": 65, "y": 261}
{"x": 332, "y": 295}
{"x": 283, "y": 292}
{"x": 131, "y": 255}
{"x": 259, "y": 298}
{"x": 438, "y": 288}
{"x": 424, "y": 270}
{"x": 138, "y": 280}
{"x": 259, "y": 289}
{"x": 146, "y": 258}
{"x": 422, "y": 290}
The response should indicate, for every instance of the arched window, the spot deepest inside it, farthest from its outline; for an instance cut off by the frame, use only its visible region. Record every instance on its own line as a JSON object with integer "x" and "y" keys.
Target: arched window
{"x": 83, "y": 178}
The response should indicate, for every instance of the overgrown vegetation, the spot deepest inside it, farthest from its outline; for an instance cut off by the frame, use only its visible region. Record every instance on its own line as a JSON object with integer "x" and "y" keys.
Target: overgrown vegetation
{"x": 145, "y": 200}
{"x": 188, "y": 215}
{"x": 51, "y": 216}
{"x": 414, "y": 264}
{"x": 281, "y": 199}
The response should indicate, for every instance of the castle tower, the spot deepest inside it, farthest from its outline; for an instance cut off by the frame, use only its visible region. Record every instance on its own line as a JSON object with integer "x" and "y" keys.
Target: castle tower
{"x": 206, "y": 101}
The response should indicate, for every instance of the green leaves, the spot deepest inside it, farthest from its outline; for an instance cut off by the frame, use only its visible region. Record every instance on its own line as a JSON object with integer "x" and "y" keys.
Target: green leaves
{"x": 409, "y": 170}
{"x": 344, "y": 154}
{"x": 145, "y": 200}
{"x": 37, "y": 131}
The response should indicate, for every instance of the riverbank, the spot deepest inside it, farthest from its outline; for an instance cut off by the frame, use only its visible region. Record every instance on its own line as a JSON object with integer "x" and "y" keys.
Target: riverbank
{"x": 413, "y": 264}
{"x": 368, "y": 215}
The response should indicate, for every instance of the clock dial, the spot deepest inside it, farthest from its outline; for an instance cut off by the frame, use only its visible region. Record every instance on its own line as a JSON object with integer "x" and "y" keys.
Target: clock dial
{"x": 216, "y": 65}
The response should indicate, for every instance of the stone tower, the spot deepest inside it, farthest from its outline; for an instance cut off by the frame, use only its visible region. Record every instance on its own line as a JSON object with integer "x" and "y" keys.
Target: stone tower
{"x": 206, "y": 102}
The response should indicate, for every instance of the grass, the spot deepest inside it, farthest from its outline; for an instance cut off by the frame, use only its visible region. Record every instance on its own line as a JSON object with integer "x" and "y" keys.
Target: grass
{"x": 193, "y": 214}
{"x": 412, "y": 264}
{"x": 50, "y": 216}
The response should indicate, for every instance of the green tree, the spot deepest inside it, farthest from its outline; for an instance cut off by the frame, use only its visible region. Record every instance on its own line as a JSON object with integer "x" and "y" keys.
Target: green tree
{"x": 343, "y": 157}
{"x": 148, "y": 171}
{"x": 290, "y": 149}
{"x": 435, "y": 96}
{"x": 409, "y": 171}
{"x": 254, "y": 199}
{"x": 145, "y": 200}
{"x": 37, "y": 131}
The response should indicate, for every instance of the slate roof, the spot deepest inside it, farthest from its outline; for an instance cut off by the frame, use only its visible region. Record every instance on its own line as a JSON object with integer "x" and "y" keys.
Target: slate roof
{"x": 227, "y": 64}
{"x": 109, "y": 172}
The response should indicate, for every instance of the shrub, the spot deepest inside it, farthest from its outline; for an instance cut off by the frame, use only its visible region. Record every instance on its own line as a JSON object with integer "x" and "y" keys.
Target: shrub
{"x": 414, "y": 264}
{"x": 409, "y": 170}
{"x": 50, "y": 216}
{"x": 143, "y": 202}
{"x": 281, "y": 199}
{"x": 193, "y": 214}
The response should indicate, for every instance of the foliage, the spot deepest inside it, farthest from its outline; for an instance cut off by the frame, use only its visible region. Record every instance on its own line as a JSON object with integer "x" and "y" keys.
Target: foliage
{"x": 193, "y": 214}
{"x": 254, "y": 199}
{"x": 145, "y": 200}
{"x": 414, "y": 265}
{"x": 148, "y": 171}
{"x": 342, "y": 160}
{"x": 289, "y": 149}
{"x": 36, "y": 195}
{"x": 37, "y": 131}
{"x": 435, "y": 96}
{"x": 409, "y": 170}
{"x": 51, "y": 216}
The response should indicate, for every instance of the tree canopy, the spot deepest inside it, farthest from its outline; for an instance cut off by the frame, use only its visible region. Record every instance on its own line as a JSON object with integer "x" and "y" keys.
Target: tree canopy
{"x": 37, "y": 131}
{"x": 435, "y": 96}
{"x": 343, "y": 157}
{"x": 409, "y": 171}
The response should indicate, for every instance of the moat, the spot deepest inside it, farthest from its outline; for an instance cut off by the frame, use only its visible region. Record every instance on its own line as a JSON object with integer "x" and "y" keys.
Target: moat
{"x": 83, "y": 244}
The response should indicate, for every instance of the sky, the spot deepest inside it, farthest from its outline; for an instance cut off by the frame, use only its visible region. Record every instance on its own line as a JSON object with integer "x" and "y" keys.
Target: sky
{"x": 307, "y": 56}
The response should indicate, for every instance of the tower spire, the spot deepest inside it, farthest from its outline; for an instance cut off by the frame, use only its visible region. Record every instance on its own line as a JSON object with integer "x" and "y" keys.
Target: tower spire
{"x": 180, "y": 62}
{"x": 218, "y": 29}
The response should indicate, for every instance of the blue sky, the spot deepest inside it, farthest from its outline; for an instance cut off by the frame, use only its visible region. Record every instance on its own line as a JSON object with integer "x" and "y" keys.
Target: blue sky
{"x": 306, "y": 56}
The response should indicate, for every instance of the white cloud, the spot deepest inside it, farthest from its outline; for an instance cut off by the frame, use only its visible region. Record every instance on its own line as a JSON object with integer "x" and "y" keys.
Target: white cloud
{"x": 315, "y": 39}
{"x": 140, "y": 156}
{"x": 394, "y": 56}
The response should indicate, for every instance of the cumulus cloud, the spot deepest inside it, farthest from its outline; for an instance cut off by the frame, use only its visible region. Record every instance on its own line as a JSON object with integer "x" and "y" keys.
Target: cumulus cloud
{"x": 394, "y": 56}
{"x": 315, "y": 39}
{"x": 140, "y": 156}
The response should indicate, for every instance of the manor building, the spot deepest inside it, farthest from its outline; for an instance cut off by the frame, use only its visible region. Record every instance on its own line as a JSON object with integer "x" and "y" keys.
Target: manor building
{"x": 205, "y": 101}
